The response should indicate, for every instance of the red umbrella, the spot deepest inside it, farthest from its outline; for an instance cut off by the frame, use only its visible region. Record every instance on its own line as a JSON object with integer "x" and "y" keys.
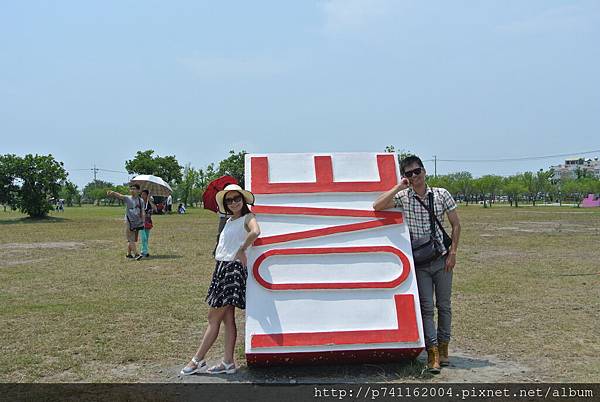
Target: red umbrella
{"x": 208, "y": 198}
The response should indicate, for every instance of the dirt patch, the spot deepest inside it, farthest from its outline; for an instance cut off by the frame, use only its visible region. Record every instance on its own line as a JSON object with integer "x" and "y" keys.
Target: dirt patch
{"x": 11, "y": 263}
{"x": 129, "y": 372}
{"x": 65, "y": 245}
{"x": 463, "y": 368}
{"x": 13, "y": 254}
{"x": 466, "y": 368}
{"x": 547, "y": 227}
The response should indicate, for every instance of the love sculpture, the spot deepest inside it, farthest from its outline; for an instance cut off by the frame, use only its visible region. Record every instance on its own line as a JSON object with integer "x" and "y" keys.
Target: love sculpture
{"x": 330, "y": 279}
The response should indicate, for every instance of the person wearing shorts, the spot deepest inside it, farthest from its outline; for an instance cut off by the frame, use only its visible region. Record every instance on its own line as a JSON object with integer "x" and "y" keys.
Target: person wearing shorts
{"x": 134, "y": 218}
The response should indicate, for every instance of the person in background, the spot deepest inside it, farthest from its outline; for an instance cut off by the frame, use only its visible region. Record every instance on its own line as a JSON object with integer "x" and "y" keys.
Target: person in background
{"x": 149, "y": 209}
{"x": 169, "y": 204}
{"x": 134, "y": 218}
{"x": 181, "y": 209}
{"x": 228, "y": 286}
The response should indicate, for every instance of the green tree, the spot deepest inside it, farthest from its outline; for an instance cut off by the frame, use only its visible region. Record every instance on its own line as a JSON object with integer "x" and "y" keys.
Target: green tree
{"x": 9, "y": 191}
{"x": 514, "y": 188}
{"x": 554, "y": 191}
{"x": 480, "y": 191}
{"x": 203, "y": 177}
{"x": 121, "y": 189}
{"x": 402, "y": 154}
{"x": 492, "y": 185}
{"x": 583, "y": 173}
{"x": 95, "y": 191}
{"x": 233, "y": 165}
{"x": 529, "y": 181}
{"x": 70, "y": 193}
{"x": 185, "y": 189}
{"x": 543, "y": 183}
{"x": 165, "y": 167}
{"x": 39, "y": 177}
{"x": 463, "y": 184}
{"x": 579, "y": 188}
{"x": 443, "y": 181}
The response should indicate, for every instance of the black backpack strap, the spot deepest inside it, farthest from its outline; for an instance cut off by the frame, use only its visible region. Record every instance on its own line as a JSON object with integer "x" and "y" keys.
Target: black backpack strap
{"x": 432, "y": 213}
{"x": 431, "y": 223}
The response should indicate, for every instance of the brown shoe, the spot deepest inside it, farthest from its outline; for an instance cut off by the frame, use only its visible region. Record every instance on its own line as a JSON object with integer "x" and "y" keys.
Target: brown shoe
{"x": 443, "y": 349}
{"x": 433, "y": 360}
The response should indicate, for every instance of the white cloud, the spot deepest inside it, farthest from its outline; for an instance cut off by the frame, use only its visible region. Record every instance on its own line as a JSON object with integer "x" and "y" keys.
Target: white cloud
{"x": 559, "y": 19}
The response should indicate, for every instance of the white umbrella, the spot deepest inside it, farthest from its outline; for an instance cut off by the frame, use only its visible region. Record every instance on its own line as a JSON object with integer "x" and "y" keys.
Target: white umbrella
{"x": 154, "y": 184}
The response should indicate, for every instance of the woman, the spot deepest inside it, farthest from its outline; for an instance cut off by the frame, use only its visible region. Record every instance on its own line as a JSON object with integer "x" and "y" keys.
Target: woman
{"x": 228, "y": 287}
{"x": 149, "y": 208}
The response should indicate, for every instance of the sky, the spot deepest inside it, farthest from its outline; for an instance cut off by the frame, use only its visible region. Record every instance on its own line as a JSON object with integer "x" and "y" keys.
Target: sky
{"x": 94, "y": 82}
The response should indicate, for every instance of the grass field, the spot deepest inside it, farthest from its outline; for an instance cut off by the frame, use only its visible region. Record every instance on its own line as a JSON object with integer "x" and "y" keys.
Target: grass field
{"x": 526, "y": 289}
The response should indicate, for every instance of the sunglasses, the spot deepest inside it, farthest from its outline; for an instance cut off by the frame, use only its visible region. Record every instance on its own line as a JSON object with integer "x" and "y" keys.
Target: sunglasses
{"x": 415, "y": 172}
{"x": 230, "y": 201}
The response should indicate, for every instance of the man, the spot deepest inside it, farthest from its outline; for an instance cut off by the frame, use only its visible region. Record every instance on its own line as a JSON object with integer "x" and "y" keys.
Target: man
{"x": 134, "y": 218}
{"x": 434, "y": 277}
{"x": 169, "y": 204}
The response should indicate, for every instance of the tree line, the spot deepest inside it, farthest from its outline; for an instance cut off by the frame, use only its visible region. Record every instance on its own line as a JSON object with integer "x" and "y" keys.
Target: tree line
{"x": 527, "y": 187}
{"x": 32, "y": 183}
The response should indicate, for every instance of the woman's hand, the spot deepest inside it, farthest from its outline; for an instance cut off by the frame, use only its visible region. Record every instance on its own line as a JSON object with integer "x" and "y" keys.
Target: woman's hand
{"x": 241, "y": 257}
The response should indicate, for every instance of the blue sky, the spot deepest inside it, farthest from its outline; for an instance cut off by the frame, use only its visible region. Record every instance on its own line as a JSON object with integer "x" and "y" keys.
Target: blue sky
{"x": 97, "y": 81}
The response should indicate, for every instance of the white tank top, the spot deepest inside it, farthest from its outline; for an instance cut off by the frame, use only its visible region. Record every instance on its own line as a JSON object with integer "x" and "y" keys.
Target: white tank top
{"x": 231, "y": 239}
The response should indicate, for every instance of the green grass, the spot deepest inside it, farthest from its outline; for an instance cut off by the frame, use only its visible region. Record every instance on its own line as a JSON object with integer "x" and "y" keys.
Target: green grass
{"x": 85, "y": 309}
{"x": 526, "y": 288}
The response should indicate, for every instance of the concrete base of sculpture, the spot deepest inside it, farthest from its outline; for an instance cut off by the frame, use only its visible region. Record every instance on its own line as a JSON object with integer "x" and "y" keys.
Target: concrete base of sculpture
{"x": 333, "y": 357}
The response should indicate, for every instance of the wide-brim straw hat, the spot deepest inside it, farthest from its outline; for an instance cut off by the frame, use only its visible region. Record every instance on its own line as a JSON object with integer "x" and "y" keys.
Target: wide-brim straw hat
{"x": 248, "y": 196}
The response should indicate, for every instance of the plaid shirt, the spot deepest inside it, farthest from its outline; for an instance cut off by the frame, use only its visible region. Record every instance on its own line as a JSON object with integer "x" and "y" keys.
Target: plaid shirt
{"x": 417, "y": 217}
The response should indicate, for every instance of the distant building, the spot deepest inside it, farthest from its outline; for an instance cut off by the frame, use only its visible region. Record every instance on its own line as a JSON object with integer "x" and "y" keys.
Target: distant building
{"x": 569, "y": 169}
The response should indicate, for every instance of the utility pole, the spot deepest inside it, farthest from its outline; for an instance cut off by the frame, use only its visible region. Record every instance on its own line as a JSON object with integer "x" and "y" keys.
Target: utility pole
{"x": 95, "y": 169}
{"x": 434, "y": 165}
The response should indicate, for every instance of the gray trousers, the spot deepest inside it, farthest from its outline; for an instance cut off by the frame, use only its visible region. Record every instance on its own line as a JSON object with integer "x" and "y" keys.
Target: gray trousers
{"x": 433, "y": 279}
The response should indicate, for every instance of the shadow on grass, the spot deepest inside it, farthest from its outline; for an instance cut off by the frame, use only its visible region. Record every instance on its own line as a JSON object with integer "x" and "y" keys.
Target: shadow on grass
{"x": 48, "y": 219}
{"x": 163, "y": 257}
{"x": 469, "y": 362}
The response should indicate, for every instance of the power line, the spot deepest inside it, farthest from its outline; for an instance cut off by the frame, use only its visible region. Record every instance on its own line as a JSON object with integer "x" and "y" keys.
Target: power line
{"x": 114, "y": 171}
{"x": 98, "y": 169}
{"x": 517, "y": 159}
{"x": 105, "y": 172}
